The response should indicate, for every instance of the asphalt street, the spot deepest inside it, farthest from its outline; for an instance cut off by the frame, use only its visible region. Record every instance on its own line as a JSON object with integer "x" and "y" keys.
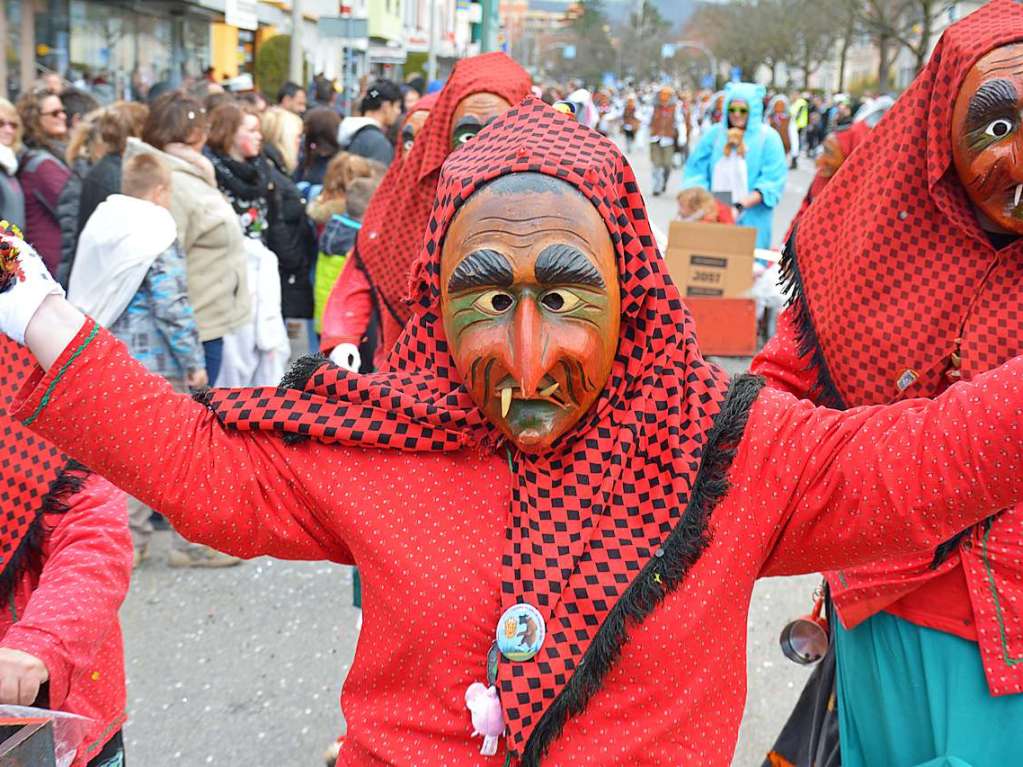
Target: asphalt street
{"x": 244, "y": 666}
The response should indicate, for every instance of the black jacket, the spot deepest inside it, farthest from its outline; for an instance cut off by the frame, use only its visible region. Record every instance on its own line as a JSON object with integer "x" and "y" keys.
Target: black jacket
{"x": 292, "y": 236}
{"x": 103, "y": 180}
{"x": 68, "y": 204}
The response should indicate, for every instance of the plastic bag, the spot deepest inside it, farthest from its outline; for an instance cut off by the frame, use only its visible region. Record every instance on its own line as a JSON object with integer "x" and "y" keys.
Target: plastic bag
{"x": 69, "y": 730}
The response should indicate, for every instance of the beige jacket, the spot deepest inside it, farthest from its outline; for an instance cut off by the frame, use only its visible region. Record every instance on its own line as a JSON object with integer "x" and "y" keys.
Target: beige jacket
{"x": 211, "y": 237}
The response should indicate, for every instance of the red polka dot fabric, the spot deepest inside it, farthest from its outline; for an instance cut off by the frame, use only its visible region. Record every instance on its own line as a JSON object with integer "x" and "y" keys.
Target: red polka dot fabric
{"x": 587, "y": 517}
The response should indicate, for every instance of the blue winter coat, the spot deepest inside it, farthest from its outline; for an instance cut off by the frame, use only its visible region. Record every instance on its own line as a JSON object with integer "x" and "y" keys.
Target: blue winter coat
{"x": 766, "y": 163}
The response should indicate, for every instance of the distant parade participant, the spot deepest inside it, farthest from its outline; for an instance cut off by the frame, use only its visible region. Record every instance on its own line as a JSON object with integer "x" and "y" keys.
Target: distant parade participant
{"x": 765, "y": 160}
{"x": 664, "y": 130}
{"x": 558, "y": 506}
{"x": 65, "y": 563}
{"x": 376, "y": 278}
{"x": 630, "y": 121}
{"x": 778, "y": 117}
{"x": 907, "y": 277}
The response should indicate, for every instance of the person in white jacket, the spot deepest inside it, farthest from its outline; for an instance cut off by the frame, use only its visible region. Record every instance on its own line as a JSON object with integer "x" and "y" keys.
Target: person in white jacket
{"x": 129, "y": 275}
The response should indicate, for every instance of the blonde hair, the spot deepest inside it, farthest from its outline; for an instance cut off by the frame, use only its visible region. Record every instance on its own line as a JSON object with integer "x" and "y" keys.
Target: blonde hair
{"x": 344, "y": 169}
{"x": 282, "y": 130}
{"x": 84, "y": 141}
{"x": 9, "y": 112}
{"x": 143, "y": 174}
{"x": 695, "y": 200}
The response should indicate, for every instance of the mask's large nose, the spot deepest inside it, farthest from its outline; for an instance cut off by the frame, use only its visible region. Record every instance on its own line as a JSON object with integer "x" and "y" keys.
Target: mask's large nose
{"x": 528, "y": 346}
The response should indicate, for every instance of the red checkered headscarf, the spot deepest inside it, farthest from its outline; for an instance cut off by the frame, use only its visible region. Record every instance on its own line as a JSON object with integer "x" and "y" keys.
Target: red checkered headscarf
{"x": 612, "y": 517}
{"x": 424, "y": 104}
{"x": 392, "y": 229}
{"x": 34, "y": 475}
{"x": 889, "y": 266}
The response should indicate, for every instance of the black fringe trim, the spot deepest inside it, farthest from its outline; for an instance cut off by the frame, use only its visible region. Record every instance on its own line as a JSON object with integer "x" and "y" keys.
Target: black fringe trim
{"x": 205, "y": 397}
{"x": 825, "y": 392}
{"x": 297, "y": 378}
{"x": 69, "y": 481}
{"x": 300, "y": 373}
{"x": 945, "y": 550}
{"x": 661, "y": 575}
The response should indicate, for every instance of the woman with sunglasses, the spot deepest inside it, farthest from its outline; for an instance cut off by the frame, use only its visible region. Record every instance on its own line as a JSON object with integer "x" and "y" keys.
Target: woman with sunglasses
{"x": 760, "y": 147}
{"x": 12, "y": 199}
{"x": 42, "y": 170}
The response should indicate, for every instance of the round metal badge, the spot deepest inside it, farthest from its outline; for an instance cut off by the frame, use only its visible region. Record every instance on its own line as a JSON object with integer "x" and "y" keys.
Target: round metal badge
{"x": 520, "y": 632}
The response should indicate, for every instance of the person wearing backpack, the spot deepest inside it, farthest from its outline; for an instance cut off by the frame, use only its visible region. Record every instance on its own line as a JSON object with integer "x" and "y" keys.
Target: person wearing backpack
{"x": 366, "y": 135}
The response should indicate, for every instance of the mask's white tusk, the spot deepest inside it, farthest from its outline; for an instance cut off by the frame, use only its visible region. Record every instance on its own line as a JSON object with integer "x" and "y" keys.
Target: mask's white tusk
{"x": 549, "y": 390}
{"x": 1019, "y": 195}
{"x": 506, "y": 398}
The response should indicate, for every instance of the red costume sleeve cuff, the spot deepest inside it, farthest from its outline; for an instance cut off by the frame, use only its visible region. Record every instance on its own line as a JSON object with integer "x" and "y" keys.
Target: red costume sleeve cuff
{"x": 44, "y": 646}
{"x": 42, "y": 386}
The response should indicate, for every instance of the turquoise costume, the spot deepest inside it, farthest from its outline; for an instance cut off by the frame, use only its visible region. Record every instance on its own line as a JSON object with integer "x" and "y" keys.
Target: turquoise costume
{"x": 765, "y": 159}
{"x": 910, "y": 696}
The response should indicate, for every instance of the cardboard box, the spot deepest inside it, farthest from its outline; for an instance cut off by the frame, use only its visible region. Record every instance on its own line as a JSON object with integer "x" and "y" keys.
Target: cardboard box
{"x": 725, "y": 327}
{"x": 711, "y": 260}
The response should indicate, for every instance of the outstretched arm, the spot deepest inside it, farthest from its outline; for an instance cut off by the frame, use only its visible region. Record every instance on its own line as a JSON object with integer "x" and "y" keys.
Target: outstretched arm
{"x": 244, "y": 493}
{"x": 829, "y": 489}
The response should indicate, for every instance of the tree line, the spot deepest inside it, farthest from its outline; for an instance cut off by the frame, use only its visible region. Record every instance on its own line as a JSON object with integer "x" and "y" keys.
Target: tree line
{"x": 804, "y": 34}
{"x": 799, "y": 35}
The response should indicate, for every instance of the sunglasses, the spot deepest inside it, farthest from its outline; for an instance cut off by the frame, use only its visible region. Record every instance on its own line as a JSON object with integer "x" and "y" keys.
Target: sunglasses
{"x": 8, "y": 124}
{"x": 738, "y": 110}
{"x": 54, "y": 113}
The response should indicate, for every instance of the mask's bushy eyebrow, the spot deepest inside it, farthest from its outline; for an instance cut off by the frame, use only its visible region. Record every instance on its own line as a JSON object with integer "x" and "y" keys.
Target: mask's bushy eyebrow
{"x": 561, "y": 264}
{"x": 991, "y": 99}
{"x": 479, "y": 269}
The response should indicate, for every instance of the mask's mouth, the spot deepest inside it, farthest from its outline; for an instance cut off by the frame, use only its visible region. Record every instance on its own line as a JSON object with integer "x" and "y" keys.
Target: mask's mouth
{"x": 548, "y": 390}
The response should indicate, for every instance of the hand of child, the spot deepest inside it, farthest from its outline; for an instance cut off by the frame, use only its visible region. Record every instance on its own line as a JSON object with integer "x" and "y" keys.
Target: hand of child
{"x": 21, "y": 676}
{"x": 346, "y": 356}
{"x": 197, "y": 379}
{"x": 25, "y": 283}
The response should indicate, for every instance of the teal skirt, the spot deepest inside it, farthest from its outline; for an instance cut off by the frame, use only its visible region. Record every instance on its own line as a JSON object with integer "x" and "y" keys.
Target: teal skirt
{"x": 914, "y": 697}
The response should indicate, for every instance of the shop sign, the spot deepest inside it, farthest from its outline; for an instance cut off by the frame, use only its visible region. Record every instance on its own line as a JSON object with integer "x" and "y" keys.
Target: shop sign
{"x": 241, "y": 14}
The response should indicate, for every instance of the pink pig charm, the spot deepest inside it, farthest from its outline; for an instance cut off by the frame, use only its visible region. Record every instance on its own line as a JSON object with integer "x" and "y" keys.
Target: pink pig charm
{"x": 487, "y": 715}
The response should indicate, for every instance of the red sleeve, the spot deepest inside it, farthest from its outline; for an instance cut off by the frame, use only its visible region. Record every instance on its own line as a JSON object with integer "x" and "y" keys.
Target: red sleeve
{"x": 725, "y": 214}
{"x": 84, "y": 579}
{"x": 245, "y": 493}
{"x": 779, "y": 362}
{"x": 349, "y": 308}
{"x": 837, "y": 489}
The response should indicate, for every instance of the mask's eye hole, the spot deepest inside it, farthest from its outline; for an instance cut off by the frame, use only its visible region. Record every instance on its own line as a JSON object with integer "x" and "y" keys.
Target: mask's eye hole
{"x": 560, "y": 300}
{"x": 463, "y": 137}
{"x": 494, "y": 302}
{"x": 999, "y": 128}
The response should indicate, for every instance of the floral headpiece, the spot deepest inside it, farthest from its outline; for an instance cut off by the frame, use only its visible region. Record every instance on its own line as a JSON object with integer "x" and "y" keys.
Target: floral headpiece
{"x": 10, "y": 263}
